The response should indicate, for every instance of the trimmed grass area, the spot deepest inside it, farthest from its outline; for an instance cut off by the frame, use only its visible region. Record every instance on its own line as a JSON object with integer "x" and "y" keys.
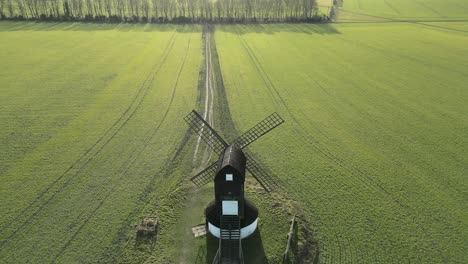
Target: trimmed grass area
{"x": 374, "y": 148}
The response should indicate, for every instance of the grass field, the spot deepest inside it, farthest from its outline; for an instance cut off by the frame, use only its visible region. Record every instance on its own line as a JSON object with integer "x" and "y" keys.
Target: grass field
{"x": 375, "y": 144}
{"x": 373, "y": 151}
{"x": 90, "y": 117}
{"x": 404, "y": 10}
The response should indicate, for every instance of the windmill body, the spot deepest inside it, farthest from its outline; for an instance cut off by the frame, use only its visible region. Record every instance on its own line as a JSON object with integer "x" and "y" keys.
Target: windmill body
{"x": 230, "y": 216}
{"x": 230, "y": 201}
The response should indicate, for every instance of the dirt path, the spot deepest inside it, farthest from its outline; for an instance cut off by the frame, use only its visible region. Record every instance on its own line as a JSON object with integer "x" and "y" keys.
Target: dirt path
{"x": 213, "y": 84}
{"x": 202, "y": 153}
{"x": 209, "y": 100}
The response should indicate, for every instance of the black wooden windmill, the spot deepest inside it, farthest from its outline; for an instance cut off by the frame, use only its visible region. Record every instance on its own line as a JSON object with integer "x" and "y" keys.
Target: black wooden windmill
{"x": 231, "y": 217}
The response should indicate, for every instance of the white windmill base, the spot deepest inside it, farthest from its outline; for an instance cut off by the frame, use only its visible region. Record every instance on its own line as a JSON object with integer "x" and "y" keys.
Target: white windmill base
{"x": 245, "y": 231}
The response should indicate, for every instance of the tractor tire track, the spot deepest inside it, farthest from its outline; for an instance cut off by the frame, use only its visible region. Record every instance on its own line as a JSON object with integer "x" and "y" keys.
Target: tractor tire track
{"x": 257, "y": 66}
{"x": 299, "y": 128}
{"x": 85, "y": 154}
{"x": 309, "y": 250}
{"x": 149, "y": 197}
{"x": 363, "y": 45}
{"x": 339, "y": 146}
{"x": 307, "y": 136}
{"x": 411, "y": 21}
{"x": 391, "y": 6}
{"x": 364, "y": 114}
{"x": 90, "y": 149}
{"x": 365, "y": 178}
{"x": 266, "y": 78}
{"x": 426, "y": 6}
{"x": 273, "y": 91}
{"x": 121, "y": 238}
{"x": 145, "y": 87}
{"x": 131, "y": 163}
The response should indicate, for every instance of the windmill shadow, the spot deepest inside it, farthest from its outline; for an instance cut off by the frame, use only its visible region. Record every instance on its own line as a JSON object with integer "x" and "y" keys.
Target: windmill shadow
{"x": 253, "y": 250}
{"x": 207, "y": 252}
{"x": 212, "y": 245}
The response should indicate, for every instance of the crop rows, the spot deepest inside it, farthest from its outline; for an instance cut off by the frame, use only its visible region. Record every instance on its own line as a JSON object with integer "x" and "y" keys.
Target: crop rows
{"x": 58, "y": 185}
{"x": 358, "y": 213}
{"x": 372, "y": 151}
{"x": 116, "y": 163}
{"x": 403, "y": 10}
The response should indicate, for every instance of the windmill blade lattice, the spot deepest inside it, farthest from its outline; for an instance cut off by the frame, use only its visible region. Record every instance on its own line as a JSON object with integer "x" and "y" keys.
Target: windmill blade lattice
{"x": 259, "y": 130}
{"x": 205, "y": 176}
{"x": 206, "y": 132}
{"x": 265, "y": 180}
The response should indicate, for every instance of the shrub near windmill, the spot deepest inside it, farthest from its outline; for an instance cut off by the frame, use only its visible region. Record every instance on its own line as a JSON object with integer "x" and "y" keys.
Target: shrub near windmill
{"x": 231, "y": 217}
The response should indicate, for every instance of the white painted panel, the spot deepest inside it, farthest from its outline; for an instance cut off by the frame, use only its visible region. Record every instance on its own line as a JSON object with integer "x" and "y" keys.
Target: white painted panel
{"x": 249, "y": 230}
{"x": 245, "y": 232}
{"x": 213, "y": 230}
{"x": 230, "y": 208}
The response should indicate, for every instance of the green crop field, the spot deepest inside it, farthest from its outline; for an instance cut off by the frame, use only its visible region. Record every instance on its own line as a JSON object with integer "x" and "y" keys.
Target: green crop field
{"x": 375, "y": 144}
{"x": 372, "y": 157}
{"x": 88, "y": 125}
{"x": 404, "y": 10}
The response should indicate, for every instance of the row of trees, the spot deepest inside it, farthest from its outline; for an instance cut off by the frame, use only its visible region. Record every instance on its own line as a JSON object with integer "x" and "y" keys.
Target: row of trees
{"x": 162, "y": 10}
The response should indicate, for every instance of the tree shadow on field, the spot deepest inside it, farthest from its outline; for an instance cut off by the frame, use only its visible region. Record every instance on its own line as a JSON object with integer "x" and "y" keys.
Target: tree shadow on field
{"x": 6, "y": 26}
{"x": 270, "y": 29}
{"x": 321, "y": 28}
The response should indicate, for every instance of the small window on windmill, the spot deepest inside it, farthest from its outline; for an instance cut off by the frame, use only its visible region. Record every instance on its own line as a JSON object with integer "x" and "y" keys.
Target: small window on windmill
{"x": 228, "y": 177}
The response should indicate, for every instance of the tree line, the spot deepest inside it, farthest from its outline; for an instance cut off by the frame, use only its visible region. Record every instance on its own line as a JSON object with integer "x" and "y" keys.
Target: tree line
{"x": 163, "y": 11}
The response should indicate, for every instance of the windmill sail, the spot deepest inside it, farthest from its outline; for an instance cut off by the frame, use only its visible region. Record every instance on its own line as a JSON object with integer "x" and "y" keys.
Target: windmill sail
{"x": 218, "y": 145}
{"x": 265, "y": 180}
{"x": 206, "y": 132}
{"x": 263, "y": 127}
{"x": 205, "y": 176}
{"x": 231, "y": 213}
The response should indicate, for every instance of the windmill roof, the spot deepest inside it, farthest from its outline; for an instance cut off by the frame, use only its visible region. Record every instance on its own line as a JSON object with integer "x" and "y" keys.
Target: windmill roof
{"x": 234, "y": 157}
